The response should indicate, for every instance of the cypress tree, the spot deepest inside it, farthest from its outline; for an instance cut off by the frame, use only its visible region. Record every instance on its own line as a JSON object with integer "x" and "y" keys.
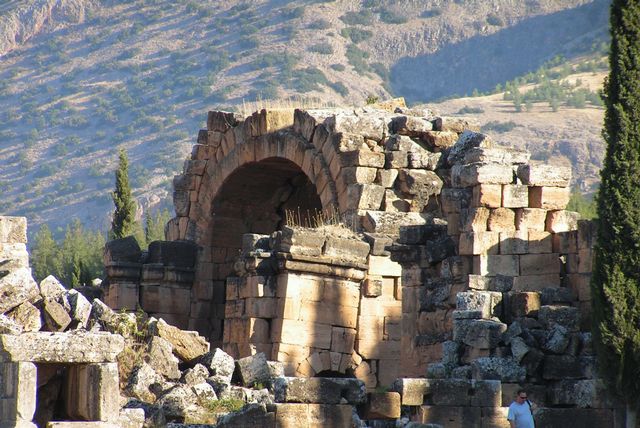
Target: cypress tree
{"x": 615, "y": 282}
{"x": 123, "y": 223}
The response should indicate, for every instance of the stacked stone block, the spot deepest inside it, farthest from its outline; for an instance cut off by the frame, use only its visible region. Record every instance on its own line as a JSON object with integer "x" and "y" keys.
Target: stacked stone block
{"x": 158, "y": 281}
{"x": 304, "y": 300}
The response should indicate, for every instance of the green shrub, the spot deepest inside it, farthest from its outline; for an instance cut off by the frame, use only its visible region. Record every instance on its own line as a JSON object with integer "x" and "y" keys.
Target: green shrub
{"x": 340, "y": 88}
{"x": 357, "y": 58}
{"x": 497, "y": 126}
{"x": 356, "y": 35}
{"x": 320, "y": 24}
{"x": 323, "y": 48}
{"x": 494, "y": 19}
{"x": 308, "y": 79}
{"x": 364, "y": 17}
{"x": 431, "y": 13}
{"x": 391, "y": 17}
{"x": 470, "y": 110}
{"x": 338, "y": 67}
{"x": 225, "y": 405}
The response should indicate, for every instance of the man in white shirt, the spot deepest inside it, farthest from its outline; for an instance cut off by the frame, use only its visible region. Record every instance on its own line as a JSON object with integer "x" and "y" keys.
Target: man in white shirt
{"x": 520, "y": 414}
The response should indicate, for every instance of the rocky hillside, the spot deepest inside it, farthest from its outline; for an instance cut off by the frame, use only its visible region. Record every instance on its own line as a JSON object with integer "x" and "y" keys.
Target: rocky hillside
{"x": 81, "y": 78}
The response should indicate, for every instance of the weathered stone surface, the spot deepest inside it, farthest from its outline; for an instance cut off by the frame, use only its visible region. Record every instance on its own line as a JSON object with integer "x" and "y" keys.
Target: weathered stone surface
{"x": 468, "y": 175}
{"x": 500, "y": 155}
{"x": 451, "y": 416}
{"x": 467, "y": 141}
{"x": 177, "y": 402}
{"x": 219, "y": 363}
{"x": 549, "y": 417}
{"x": 566, "y": 316}
{"x": 588, "y": 393}
{"x": 13, "y": 229}
{"x": 122, "y": 250}
{"x": 382, "y": 405}
{"x": 482, "y": 334}
{"x": 80, "y": 308}
{"x": 412, "y": 391}
{"x": 27, "y": 316}
{"x": 56, "y": 318}
{"x": 319, "y": 390}
{"x": 9, "y": 326}
{"x": 70, "y": 347}
{"x": 187, "y": 345}
{"x": 92, "y": 392}
{"x": 557, "y": 339}
{"x": 562, "y": 367}
{"x": 543, "y": 174}
{"x": 254, "y": 369}
{"x": 161, "y": 359}
{"x": 498, "y": 368}
{"x": 51, "y": 288}
{"x": 18, "y": 387}
{"x": 140, "y": 382}
{"x": 252, "y": 415}
{"x": 195, "y": 375}
{"x": 519, "y": 348}
{"x": 420, "y": 184}
{"x": 17, "y": 287}
{"x": 489, "y": 303}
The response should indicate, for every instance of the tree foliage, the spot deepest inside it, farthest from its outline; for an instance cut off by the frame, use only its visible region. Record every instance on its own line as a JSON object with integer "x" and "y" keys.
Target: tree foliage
{"x": 616, "y": 277}
{"x": 123, "y": 223}
{"x": 75, "y": 261}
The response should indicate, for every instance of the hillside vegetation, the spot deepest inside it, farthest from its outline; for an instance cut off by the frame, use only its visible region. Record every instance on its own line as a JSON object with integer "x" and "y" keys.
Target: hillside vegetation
{"x": 80, "y": 79}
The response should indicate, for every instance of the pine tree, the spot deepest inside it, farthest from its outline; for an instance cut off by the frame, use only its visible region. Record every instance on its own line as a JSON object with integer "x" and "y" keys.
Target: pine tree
{"x": 123, "y": 223}
{"x": 615, "y": 282}
{"x": 45, "y": 255}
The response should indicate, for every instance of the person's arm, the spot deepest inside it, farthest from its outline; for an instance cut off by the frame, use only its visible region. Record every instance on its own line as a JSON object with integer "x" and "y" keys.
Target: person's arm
{"x": 511, "y": 418}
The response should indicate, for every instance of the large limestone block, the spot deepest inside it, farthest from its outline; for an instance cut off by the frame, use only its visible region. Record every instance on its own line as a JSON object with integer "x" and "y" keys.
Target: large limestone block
{"x": 480, "y": 173}
{"x": 515, "y": 196}
{"x": 252, "y": 415}
{"x": 371, "y": 126}
{"x": 514, "y": 242}
{"x": 14, "y": 256}
{"x": 16, "y": 288}
{"x": 561, "y": 221}
{"x": 419, "y": 183}
{"x": 455, "y": 200}
{"x": 553, "y": 417}
{"x": 13, "y": 230}
{"x": 221, "y": 121}
{"x": 254, "y": 369}
{"x": 18, "y": 383}
{"x": 187, "y": 345}
{"x": 500, "y": 155}
{"x": 540, "y": 264}
{"x": 467, "y": 141}
{"x": 451, "y": 416}
{"x": 348, "y": 249}
{"x": 161, "y": 359}
{"x": 523, "y": 304}
{"x": 9, "y": 326}
{"x": 474, "y": 219}
{"x": 502, "y": 220}
{"x": 476, "y": 243}
{"x": 566, "y": 316}
{"x": 478, "y": 333}
{"x": 487, "y": 302}
{"x": 505, "y": 369}
{"x": 219, "y": 364}
{"x": 122, "y": 250}
{"x": 412, "y": 390}
{"x": 487, "y": 195}
{"x": 294, "y": 415}
{"x": 71, "y": 347}
{"x": 27, "y": 316}
{"x": 492, "y": 265}
{"x": 532, "y": 219}
{"x": 319, "y": 390}
{"x": 56, "y": 317}
{"x": 543, "y": 174}
{"x": 549, "y": 198}
{"x": 51, "y": 288}
{"x": 92, "y": 392}
{"x": 382, "y": 405}
{"x": 80, "y": 308}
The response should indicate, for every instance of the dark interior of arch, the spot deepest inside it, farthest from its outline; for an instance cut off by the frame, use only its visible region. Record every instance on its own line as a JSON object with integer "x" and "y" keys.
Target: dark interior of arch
{"x": 254, "y": 199}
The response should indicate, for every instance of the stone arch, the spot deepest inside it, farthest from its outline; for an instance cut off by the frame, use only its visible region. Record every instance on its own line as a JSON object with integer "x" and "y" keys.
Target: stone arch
{"x": 212, "y": 200}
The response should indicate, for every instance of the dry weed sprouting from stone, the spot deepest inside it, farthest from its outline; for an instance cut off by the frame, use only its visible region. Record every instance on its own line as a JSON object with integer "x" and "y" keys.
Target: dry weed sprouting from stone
{"x": 247, "y": 108}
{"x": 318, "y": 219}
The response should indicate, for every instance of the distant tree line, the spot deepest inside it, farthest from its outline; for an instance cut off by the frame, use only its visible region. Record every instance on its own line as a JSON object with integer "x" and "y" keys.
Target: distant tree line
{"x": 77, "y": 259}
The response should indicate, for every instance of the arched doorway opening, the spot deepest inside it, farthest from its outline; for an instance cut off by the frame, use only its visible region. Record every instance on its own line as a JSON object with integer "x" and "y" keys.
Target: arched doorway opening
{"x": 255, "y": 198}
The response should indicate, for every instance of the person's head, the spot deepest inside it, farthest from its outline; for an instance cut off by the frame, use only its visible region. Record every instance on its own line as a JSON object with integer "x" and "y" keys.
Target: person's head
{"x": 521, "y": 396}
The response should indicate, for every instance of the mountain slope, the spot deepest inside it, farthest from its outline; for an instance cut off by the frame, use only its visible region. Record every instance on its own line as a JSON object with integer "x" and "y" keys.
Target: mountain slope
{"x": 141, "y": 74}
